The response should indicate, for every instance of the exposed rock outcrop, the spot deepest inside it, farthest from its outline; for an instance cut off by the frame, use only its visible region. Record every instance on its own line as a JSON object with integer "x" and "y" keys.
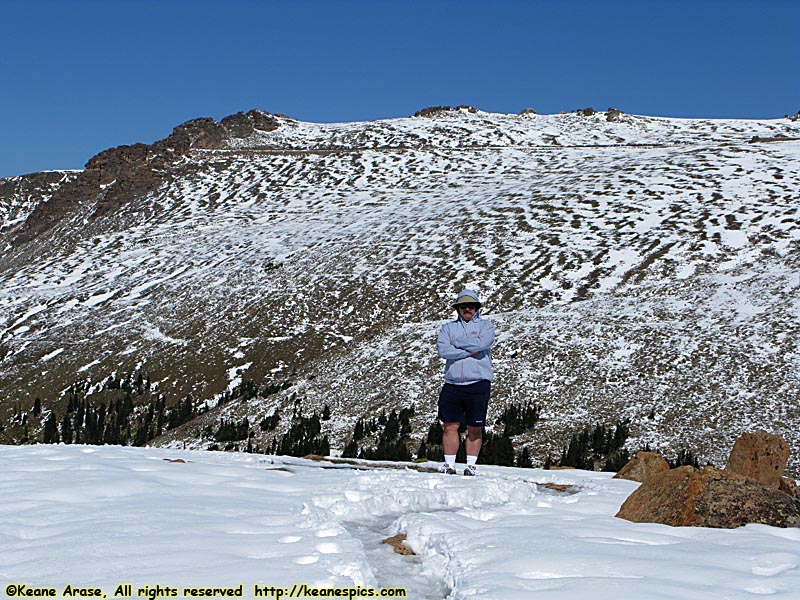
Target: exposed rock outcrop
{"x": 117, "y": 175}
{"x": 709, "y": 497}
{"x": 433, "y": 111}
{"x": 751, "y": 489}
{"x": 613, "y": 115}
{"x": 789, "y": 486}
{"x": 17, "y": 194}
{"x": 643, "y": 466}
{"x": 776, "y": 138}
{"x": 761, "y": 456}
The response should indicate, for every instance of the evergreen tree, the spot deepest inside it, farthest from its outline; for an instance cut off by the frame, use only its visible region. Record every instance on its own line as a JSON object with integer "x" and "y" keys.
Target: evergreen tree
{"x": 505, "y": 454}
{"x": 435, "y": 453}
{"x": 524, "y": 459}
{"x": 140, "y": 437}
{"x": 351, "y": 450}
{"x": 423, "y": 450}
{"x": 394, "y": 450}
{"x": 577, "y": 454}
{"x": 517, "y": 419}
{"x": 230, "y": 431}
{"x": 405, "y": 422}
{"x": 391, "y": 429}
{"x": 302, "y": 437}
{"x": 616, "y": 460}
{"x": 271, "y": 423}
{"x": 323, "y": 446}
{"x": 600, "y": 444}
{"x": 50, "y": 433}
{"x": 435, "y": 433}
{"x": 66, "y": 429}
{"x": 358, "y": 432}
{"x": 77, "y": 422}
{"x": 621, "y": 433}
{"x": 685, "y": 458}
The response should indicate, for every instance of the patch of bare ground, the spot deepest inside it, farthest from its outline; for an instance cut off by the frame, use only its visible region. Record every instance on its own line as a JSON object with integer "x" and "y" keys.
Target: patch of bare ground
{"x": 397, "y": 543}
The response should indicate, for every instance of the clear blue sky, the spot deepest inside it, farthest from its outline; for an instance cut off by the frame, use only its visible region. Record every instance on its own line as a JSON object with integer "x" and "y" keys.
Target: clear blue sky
{"x": 81, "y": 76}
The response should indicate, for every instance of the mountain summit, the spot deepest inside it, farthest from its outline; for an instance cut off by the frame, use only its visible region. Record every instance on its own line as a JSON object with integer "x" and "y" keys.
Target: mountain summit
{"x": 636, "y": 268}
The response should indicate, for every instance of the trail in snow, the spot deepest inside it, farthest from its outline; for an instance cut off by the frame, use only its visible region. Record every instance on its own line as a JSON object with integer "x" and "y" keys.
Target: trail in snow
{"x": 107, "y": 515}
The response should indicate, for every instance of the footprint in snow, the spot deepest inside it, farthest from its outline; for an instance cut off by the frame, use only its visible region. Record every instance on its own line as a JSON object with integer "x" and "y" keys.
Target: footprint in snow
{"x": 290, "y": 539}
{"x": 327, "y": 548}
{"x": 323, "y": 533}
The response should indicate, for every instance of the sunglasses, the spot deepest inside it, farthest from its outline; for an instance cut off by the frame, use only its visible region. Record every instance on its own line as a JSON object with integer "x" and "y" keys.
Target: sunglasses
{"x": 466, "y": 306}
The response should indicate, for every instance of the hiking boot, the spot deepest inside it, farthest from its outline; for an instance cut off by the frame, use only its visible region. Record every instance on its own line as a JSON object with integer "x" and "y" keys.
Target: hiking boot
{"x": 471, "y": 471}
{"x": 446, "y": 469}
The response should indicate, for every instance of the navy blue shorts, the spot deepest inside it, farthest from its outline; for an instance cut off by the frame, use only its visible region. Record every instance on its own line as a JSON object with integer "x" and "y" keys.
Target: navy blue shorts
{"x": 458, "y": 401}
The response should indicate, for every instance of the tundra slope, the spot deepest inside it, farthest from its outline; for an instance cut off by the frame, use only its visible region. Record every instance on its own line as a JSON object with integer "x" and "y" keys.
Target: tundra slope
{"x": 644, "y": 268}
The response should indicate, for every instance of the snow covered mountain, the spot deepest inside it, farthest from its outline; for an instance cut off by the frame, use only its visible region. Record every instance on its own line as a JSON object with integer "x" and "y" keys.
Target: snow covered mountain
{"x": 636, "y": 268}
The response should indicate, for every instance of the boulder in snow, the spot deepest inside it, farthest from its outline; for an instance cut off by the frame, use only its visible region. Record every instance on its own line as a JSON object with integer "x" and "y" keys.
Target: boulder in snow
{"x": 761, "y": 456}
{"x": 709, "y": 497}
{"x": 643, "y": 466}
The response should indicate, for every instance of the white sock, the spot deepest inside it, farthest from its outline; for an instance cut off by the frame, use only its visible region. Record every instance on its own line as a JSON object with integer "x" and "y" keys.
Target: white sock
{"x": 450, "y": 459}
{"x": 472, "y": 460}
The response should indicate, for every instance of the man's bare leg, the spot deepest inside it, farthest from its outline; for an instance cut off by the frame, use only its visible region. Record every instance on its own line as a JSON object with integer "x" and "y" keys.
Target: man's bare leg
{"x": 474, "y": 437}
{"x": 450, "y": 439}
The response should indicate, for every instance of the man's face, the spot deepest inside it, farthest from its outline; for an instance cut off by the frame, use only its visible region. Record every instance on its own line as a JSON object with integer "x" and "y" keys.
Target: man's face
{"x": 467, "y": 311}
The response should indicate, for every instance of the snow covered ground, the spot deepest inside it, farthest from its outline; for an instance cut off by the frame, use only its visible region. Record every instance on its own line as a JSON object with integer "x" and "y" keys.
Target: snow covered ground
{"x": 103, "y": 516}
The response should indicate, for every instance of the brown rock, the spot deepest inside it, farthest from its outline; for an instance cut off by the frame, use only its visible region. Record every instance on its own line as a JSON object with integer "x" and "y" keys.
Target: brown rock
{"x": 263, "y": 121}
{"x": 668, "y": 497}
{"x": 109, "y": 164}
{"x": 239, "y": 125}
{"x": 204, "y": 133}
{"x": 709, "y": 497}
{"x": 642, "y": 466}
{"x": 789, "y": 486}
{"x": 398, "y": 543}
{"x": 35, "y": 185}
{"x": 761, "y": 456}
{"x": 432, "y": 111}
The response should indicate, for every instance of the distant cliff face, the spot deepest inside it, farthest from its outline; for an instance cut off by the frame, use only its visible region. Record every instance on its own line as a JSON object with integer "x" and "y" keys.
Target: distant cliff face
{"x": 125, "y": 173}
{"x": 636, "y": 267}
{"x": 20, "y": 196}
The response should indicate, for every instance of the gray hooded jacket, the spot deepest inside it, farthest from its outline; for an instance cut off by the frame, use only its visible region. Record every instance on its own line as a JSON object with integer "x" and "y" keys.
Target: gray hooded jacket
{"x": 466, "y": 348}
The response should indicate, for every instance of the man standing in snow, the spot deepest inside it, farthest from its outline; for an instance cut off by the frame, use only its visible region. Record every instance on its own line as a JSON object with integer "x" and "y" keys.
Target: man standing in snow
{"x": 466, "y": 345}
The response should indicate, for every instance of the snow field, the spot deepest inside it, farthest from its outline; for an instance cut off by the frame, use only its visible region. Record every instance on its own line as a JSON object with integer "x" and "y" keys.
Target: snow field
{"x": 108, "y": 515}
